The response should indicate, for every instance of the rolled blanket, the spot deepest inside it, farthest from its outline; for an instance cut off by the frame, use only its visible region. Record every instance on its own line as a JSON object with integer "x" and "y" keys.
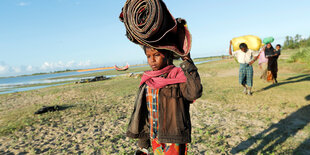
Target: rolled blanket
{"x": 149, "y": 23}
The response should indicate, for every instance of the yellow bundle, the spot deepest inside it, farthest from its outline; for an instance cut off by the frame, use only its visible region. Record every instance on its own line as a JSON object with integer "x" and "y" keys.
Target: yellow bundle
{"x": 253, "y": 42}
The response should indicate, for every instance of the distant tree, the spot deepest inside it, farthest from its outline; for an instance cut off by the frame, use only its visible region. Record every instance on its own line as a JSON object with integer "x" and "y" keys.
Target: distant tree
{"x": 297, "y": 38}
{"x": 296, "y": 42}
{"x": 307, "y": 44}
{"x": 286, "y": 42}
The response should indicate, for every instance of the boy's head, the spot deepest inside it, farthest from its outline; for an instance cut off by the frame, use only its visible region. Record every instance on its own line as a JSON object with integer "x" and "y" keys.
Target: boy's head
{"x": 243, "y": 47}
{"x": 158, "y": 59}
{"x": 278, "y": 46}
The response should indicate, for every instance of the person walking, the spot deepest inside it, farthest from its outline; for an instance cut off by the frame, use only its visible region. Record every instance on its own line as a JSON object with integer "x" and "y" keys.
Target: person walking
{"x": 272, "y": 56}
{"x": 246, "y": 57}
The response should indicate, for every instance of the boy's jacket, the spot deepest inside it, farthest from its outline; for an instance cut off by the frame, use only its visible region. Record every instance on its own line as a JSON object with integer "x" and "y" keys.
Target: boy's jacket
{"x": 174, "y": 104}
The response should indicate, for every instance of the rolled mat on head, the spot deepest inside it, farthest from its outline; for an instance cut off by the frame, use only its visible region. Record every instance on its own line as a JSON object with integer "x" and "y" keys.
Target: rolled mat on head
{"x": 149, "y": 23}
{"x": 253, "y": 42}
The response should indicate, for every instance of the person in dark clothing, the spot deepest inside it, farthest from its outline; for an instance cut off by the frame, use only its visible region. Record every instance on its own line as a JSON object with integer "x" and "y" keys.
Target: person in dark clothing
{"x": 273, "y": 56}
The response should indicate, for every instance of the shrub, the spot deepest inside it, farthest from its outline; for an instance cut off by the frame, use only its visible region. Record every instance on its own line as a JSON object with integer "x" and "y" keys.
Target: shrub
{"x": 303, "y": 55}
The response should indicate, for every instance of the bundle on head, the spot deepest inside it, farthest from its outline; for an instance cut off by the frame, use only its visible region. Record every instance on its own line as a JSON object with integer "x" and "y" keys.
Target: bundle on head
{"x": 149, "y": 23}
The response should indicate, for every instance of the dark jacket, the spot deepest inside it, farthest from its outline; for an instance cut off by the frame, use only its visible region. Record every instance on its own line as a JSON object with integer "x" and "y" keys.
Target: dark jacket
{"x": 174, "y": 104}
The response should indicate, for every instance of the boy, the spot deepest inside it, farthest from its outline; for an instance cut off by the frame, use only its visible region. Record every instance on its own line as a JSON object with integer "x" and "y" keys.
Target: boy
{"x": 246, "y": 57}
{"x": 161, "y": 117}
{"x": 278, "y": 51}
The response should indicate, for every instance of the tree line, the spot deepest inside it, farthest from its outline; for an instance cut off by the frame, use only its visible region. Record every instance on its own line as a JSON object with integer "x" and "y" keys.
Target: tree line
{"x": 296, "y": 42}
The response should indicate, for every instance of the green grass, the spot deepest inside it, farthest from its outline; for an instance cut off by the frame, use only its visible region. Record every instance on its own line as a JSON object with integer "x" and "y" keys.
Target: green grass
{"x": 303, "y": 56}
{"x": 111, "y": 88}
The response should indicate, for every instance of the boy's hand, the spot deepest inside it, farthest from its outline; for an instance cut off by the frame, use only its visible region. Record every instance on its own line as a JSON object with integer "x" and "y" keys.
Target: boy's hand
{"x": 251, "y": 62}
{"x": 230, "y": 42}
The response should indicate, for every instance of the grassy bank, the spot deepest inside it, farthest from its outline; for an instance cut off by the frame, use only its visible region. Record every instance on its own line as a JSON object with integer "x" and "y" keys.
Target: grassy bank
{"x": 94, "y": 116}
{"x": 303, "y": 56}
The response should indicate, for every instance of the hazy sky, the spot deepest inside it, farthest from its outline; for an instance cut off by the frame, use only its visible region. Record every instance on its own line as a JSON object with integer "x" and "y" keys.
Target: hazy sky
{"x": 49, "y": 35}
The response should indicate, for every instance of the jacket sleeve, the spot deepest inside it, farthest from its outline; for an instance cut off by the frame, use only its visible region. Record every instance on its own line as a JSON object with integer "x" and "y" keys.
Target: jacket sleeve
{"x": 138, "y": 125}
{"x": 192, "y": 89}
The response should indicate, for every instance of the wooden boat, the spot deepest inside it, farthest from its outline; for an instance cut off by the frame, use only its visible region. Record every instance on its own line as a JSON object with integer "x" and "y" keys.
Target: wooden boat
{"x": 121, "y": 69}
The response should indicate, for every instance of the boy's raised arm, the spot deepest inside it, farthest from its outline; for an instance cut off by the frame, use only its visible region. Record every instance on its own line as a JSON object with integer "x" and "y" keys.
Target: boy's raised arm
{"x": 192, "y": 89}
{"x": 230, "y": 53}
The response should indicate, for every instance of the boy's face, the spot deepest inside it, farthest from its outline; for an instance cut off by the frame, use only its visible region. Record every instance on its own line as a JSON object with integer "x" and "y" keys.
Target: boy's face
{"x": 155, "y": 59}
{"x": 244, "y": 49}
{"x": 278, "y": 47}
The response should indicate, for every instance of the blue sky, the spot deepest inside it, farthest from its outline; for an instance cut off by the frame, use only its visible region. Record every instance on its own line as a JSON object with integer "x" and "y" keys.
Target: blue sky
{"x": 49, "y": 35}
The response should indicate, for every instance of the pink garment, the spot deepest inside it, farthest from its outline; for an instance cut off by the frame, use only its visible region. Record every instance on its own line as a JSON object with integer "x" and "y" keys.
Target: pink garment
{"x": 262, "y": 58}
{"x": 152, "y": 79}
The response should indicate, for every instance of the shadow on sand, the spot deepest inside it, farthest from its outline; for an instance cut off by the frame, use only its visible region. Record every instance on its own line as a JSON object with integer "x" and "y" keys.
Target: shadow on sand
{"x": 304, "y": 148}
{"x": 295, "y": 79}
{"x": 46, "y": 109}
{"x": 307, "y": 98}
{"x": 277, "y": 134}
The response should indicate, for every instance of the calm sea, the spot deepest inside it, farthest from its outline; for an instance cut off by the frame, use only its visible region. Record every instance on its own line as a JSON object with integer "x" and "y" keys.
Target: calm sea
{"x": 21, "y": 83}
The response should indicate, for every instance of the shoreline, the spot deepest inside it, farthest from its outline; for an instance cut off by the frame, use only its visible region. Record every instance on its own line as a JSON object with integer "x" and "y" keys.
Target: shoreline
{"x": 47, "y": 82}
{"x": 75, "y": 70}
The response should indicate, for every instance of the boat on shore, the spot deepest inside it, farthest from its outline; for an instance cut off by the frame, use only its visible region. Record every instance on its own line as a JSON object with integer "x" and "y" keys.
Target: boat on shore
{"x": 95, "y": 79}
{"x": 122, "y": 68}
